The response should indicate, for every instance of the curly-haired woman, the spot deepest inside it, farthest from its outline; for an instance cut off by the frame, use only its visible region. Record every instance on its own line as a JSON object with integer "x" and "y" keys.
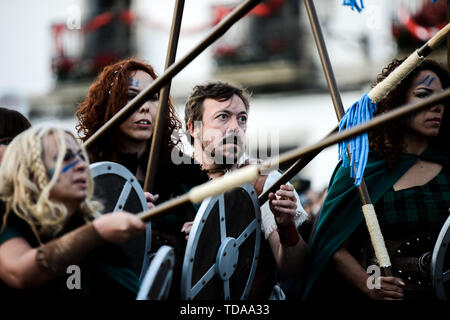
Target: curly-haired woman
{"x": 408, "y": 177}
{"x": 130, "y": 143}
{"x": 50, "y": 222}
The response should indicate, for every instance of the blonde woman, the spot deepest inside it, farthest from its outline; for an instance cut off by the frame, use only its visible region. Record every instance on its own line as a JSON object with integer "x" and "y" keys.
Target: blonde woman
{"x": 47, "y": 222}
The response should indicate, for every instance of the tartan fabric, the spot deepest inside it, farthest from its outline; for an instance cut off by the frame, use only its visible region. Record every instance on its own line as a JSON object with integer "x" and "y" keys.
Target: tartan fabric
{"x": 341, "y": 212}
{"x": 420, "y": 208}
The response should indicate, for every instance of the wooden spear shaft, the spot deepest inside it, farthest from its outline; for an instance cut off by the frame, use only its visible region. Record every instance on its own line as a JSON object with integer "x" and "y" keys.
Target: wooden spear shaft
{"x": 331, "y": 80}
{"x": 383, "y": 119}
{"x": 250, "y": 173}
{"x": 448, "y": 36}
{"x": 290, "y": 173}
{"x": 375, "y": 232}
{"x": 160, "y": 121}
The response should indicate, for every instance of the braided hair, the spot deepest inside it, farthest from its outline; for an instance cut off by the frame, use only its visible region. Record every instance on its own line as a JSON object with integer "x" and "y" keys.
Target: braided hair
{"x": 25, "y": 184}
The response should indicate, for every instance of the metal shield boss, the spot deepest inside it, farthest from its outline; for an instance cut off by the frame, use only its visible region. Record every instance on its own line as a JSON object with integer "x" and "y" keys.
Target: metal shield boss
{"x": 157, "y": 280}
{"x": 119, "y": 190}
{"x": 223, "y": 247}
{"x": 440, "y": 263}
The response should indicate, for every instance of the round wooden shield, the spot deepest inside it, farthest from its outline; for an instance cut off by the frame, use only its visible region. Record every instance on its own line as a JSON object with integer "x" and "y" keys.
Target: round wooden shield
{"x": 119, "y": 190}
{"x": 157, "y": 280}
{"x": 440, "y": 263}
{"x": 223, "y": 247}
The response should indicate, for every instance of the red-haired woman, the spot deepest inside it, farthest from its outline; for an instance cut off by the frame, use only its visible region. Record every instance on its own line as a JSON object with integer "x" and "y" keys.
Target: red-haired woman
{"x": 129, "y": 144}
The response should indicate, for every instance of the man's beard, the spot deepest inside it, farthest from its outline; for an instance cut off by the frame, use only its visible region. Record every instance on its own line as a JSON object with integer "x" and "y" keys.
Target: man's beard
{"x": 216, "y": 158}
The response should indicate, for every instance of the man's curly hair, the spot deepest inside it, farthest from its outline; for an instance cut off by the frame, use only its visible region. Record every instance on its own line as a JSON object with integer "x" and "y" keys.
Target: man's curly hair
{"x": 106, "y": 96}
{"x": 388, "y": 140}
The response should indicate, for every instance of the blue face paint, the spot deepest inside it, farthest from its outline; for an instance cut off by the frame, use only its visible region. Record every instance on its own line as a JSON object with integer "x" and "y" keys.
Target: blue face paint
{"x": 423, "y": 81}
{"x": 70, "y": 166}
{"x": 130, "y": 83}
{"x": 137, "y": 83}
{"x": 429, "y": 83}
{"x": 64, "y": 169}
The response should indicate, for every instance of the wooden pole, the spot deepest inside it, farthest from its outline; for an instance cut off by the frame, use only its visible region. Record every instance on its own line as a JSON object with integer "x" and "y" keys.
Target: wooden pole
{"x": 290, "y": 173}
{"x": 375, "y": 233}
{"x": 448, "y": 36}
{"x": 402, "y": 111}
{"x": 160, "y": 121}
{"x": 331, "y": 81}
{"x": 294, "y": 155}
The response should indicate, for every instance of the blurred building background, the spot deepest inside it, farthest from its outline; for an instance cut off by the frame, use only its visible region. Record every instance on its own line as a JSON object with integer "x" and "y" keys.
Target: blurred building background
{"x": 52, "y": 51}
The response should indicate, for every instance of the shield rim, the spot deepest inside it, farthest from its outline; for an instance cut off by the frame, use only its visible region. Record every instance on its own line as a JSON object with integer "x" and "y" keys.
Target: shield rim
{"x": 100, "y": 168}
{"x": 164, "y": 253}
{"x": 437, "y": 260}
{"x": 197, "y": 227}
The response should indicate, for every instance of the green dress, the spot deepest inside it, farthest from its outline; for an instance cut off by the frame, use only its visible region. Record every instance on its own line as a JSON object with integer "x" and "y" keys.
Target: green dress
{"x": 341, "y": 213}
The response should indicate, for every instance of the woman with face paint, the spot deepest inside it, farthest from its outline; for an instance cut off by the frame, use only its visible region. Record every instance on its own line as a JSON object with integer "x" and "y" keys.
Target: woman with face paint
{"x": 408, "y": 178}
{"x": 129, "y": 144}
{"x": 48, "y": 232}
